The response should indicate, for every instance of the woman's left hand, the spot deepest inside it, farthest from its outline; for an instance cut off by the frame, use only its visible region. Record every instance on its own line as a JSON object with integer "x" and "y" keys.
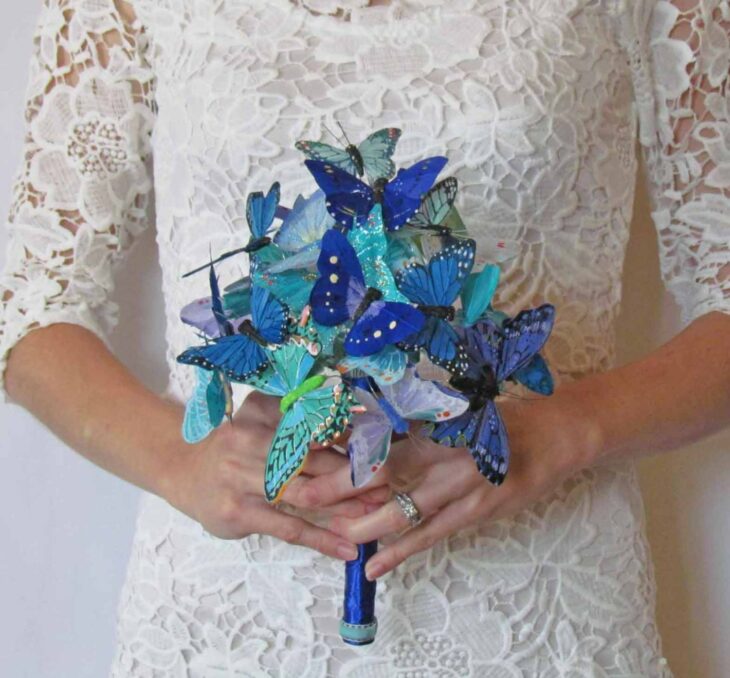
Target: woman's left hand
{"x": 550, "y": 439}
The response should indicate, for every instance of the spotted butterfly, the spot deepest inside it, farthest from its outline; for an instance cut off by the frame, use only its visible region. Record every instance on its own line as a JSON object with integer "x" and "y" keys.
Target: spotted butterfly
{"x": 341, "y": 294}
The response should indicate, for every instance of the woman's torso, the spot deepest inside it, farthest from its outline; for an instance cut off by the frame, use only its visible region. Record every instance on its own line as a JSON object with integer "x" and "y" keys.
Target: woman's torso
{"x": 531, "y": 101}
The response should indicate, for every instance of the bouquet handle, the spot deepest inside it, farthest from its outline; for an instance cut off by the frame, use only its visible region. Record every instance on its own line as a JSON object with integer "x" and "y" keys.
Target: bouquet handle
{"x": 359, "y": 625}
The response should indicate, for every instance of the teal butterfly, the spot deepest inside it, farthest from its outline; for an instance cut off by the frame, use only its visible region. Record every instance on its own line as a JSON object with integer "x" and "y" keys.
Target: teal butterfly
{"x": 371, "y": 157}
{"x": 386, "y": 367}
{"x": 312, "y": 410}
{"x": 210, "y": 402}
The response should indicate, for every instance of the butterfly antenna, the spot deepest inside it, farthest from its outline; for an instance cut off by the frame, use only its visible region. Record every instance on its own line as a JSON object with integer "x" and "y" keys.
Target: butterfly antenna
{"x": 344, "y": 134}
{"x": 332, "y": 134}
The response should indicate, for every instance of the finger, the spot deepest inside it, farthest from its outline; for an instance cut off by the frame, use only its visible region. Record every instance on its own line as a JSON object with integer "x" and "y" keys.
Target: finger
{"x": 333, "y": 487}
{"x": 448, "y": 520}
{"x": 295, "y": 530}
{"x": 348, "y": 508}
{"x": 324, "y": 460}
{"x": 441, "y": 484}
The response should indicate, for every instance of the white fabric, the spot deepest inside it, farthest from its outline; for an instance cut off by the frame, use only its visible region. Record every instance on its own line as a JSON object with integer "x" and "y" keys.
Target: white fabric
{"x": 538, "y": 104}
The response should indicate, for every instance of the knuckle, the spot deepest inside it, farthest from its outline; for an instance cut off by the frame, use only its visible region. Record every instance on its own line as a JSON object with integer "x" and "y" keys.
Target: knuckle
{"x": 291, "y": 533}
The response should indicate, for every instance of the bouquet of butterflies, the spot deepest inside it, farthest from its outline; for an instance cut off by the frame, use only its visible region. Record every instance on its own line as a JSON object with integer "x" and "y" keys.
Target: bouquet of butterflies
{"x": 350, "y": 293}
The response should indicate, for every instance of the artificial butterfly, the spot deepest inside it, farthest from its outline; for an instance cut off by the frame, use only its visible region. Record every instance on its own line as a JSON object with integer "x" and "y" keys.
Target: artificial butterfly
{"x": 312, "y": 410}
{"x": 212, "y": 398}
{"x": 260, "y": 213}
{"x": 385, "y": 367}
{"x": 435, "y": 287}
{"x": 371, "y": 157}
{"x": 349, "y": 198}
{"x": 536, "y": 374}
{"x": 495, "y": 354}
{"x": 341, "y": 294}
{"x": 239, "y": 356}
{"x": 388, "y": 408}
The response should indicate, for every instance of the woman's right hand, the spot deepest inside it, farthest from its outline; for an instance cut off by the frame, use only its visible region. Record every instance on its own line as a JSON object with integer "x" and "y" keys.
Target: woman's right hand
{"x": 219, "y": 483}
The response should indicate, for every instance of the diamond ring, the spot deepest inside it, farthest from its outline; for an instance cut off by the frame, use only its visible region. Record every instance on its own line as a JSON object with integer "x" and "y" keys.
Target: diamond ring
{"x": 409, "y": 508}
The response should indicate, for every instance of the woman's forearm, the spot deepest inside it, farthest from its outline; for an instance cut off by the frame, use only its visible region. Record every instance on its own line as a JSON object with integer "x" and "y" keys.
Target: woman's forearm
{"x": 674, "y": 396}
{"x": 66, "y": 377}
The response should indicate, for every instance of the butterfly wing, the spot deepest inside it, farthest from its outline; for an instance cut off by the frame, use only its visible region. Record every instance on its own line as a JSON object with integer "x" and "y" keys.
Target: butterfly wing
{"x": 441, "y": 343}
{"x": 477, "y": 293}
{"x": 454, "y": 432}
{"x": 384, "y": 323}
{"x": 436, "y": 204}
{"x": 440, "y": 281}
{"x": 261, "y": 210}
{"x": 317, "y": 150}
{"x": 269, "y": 315}
{"x": 377, "y": 151}
{"x": 305, "y": 225}
{"x": 489, "y": 445}
{"x": 369, "y": 442}
{"x": 341, "y": 284}
{"x": 347, "y": 197}
{"x": 199, "y": 314}
{"x": 236, "y": 355}
{"x": 402, "y": 196}
{"x": 385, "y": 367}
{"x": 319, "y": 416}
{"x": 416, "y": 398}
{"x": 536, "y": 376}
{"x": 522, "y": 337}
{"x": 199, "y": 421}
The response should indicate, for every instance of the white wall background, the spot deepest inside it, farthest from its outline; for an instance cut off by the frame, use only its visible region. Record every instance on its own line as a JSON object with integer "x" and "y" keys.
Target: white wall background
{"x": 66, "y": 526}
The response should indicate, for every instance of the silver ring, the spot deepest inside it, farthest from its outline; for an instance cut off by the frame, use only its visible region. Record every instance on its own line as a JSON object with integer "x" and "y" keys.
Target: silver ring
{"x": 409, "y": 508}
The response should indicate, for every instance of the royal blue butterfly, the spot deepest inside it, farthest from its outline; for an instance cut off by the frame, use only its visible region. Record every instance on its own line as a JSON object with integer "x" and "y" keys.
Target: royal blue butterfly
{"x": 340, "y": 294}
{"x": 495, "y": 354}
{"x": 349, "y": 198}
{"x": 371, "y": 157}
{"x": 434, "y": 288}
{"x": 239, "y": 356}
{"x": 261, "y": 210}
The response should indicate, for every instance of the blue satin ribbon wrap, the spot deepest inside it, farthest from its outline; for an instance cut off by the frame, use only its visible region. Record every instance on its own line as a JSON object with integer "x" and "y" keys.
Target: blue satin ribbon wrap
{"x": 358, "y": 624}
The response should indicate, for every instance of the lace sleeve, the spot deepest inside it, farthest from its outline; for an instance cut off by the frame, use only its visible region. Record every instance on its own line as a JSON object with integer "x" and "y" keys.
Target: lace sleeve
{"x": 680, "y": 57}
{"x": 82, "y": 189}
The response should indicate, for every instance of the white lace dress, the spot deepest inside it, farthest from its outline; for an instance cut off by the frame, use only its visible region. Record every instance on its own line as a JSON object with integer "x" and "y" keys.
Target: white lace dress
{"x": 538, "y": 105}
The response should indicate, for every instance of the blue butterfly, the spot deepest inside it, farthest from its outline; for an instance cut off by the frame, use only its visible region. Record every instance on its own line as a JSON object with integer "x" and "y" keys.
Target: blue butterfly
{"x": 213, "y": 397}
{"x": 340, "y": 294}
{"x": 536, "y": 374}
{"x": 434, "y": 288}
{"x": 261, "y": 211}
{"x": 349, "y": 198}
{"x": 239, "y": 356}
{"x": 371, "y": 157}
{"x": 495, "y": 354}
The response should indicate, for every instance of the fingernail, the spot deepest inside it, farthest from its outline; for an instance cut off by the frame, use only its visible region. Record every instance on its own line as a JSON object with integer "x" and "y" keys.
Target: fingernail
{"x": 373, "y": 570}
{"x": 347, "y": 551}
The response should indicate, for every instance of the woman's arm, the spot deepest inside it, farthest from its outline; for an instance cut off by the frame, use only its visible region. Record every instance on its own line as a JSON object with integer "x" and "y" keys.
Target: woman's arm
{"x": 676, "y": 395}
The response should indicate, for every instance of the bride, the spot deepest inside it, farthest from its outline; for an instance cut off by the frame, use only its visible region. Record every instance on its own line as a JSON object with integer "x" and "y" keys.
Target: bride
{"x": 187, "y": 106}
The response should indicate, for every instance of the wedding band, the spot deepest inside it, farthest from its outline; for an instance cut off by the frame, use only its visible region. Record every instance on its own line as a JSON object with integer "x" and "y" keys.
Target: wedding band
{"x": 409, "y": 508}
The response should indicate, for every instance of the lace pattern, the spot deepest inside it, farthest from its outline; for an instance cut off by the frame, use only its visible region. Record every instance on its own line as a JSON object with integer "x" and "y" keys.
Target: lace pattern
{"x": 538, "y": 104}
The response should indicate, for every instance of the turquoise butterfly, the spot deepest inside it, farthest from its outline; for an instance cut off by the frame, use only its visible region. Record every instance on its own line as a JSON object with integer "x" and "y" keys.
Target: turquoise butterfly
{"x": 477, "y": 293}
{"x": 210, "y": 402}
{"x": 312, "y": 410}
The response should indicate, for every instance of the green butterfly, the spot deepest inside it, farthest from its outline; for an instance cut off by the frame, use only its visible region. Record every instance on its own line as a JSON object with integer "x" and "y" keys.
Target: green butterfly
{"x": 312, "y": 411}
